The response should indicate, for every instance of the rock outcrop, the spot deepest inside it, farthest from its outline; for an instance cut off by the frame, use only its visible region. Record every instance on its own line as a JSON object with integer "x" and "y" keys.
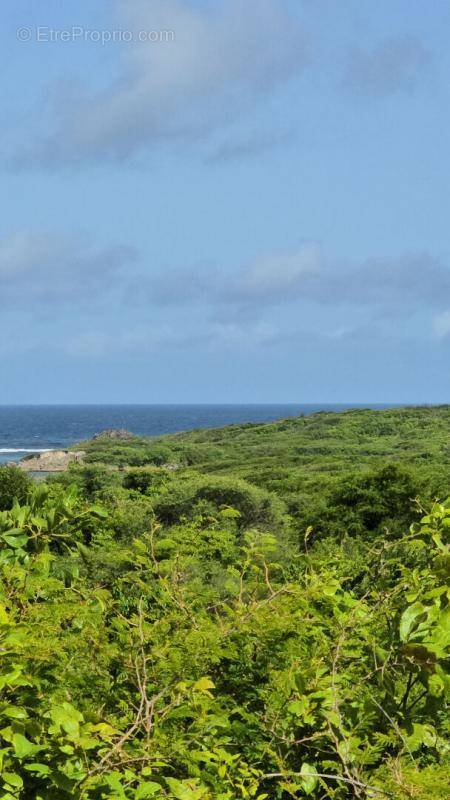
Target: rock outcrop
{"x": 117, "y": 435}
{"x": 53, "y": 461}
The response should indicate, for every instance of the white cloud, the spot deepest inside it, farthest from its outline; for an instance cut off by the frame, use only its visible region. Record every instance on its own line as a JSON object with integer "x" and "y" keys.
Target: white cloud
{"x": 278, "y": 275}
{"x": 128, "y": 341}
{"x": 399, "y": 283}
{"x": 223, "y": 59}
{"x": 57, "y": 269}
{"x": 269, "y": 279}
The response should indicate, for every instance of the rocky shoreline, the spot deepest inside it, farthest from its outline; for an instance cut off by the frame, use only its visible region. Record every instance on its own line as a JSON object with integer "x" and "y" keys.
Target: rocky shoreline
{"x": 51, "y": 461}
{"x": 60, "y": 460}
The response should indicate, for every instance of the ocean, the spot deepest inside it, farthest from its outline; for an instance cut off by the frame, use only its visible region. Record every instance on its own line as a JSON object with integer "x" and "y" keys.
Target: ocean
{"x": 34, "y": 429}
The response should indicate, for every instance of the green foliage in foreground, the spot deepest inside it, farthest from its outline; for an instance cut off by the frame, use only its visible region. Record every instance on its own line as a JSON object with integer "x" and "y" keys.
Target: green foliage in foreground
{"x": 210, "y": 659}
{"x": 14, "y": 485}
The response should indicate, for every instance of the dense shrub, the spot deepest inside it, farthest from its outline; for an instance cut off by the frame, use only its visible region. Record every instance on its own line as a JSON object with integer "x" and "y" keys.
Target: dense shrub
{"x": 187, "y": 497}
{"x": 14, "y": 485}
{"x": 200, "y": 655}
{"x": 377, "y": 498}
{"x": 93, "y": 481}
{"x": 157, "y": 455}
{"x": 130, "y": 453}
{"x": 144, "y": 479}
{"x": 130, "y": 517}
{"x": 186, "y": 665}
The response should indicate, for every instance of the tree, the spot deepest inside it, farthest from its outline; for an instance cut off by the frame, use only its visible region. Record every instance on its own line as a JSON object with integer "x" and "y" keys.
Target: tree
{"x": 14, "y": 485}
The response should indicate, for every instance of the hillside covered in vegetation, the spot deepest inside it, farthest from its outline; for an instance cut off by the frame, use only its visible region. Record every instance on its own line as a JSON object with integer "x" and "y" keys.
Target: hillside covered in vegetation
{"x": 258, "y": 611}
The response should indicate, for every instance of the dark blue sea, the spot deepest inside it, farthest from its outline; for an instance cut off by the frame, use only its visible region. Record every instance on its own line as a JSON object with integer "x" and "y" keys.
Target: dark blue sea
{"x": 28, "y": 429}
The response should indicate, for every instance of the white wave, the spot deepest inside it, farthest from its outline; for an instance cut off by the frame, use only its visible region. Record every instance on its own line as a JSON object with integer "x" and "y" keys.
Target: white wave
{"x": 25, "y": 450}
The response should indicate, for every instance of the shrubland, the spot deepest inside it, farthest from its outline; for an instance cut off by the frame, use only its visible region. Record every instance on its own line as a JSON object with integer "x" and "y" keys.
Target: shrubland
{"x": 270, "y": 619}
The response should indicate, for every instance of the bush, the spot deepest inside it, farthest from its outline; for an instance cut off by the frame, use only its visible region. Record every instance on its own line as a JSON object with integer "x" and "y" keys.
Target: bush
{"x": 187, "y": 498}
{"x": 93, "y": 481}
{"x": 364, "y": 503}
{"x": 126, "y": 453}
{"x": 143, "y": 480}
{"x": 130, "y": 517}
{"x": 156, "y": 455}
{"x": 14, "y": 485}
{"x": 376, "y": 498}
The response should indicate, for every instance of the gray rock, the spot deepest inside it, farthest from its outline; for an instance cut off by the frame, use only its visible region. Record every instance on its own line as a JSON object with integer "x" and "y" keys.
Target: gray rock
{"x": 117, "y": 435}
{"x": 53, "y": 461}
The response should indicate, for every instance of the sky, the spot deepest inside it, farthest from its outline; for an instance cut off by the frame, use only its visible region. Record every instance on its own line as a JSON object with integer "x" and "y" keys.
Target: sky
{"x": 225, "y": 201}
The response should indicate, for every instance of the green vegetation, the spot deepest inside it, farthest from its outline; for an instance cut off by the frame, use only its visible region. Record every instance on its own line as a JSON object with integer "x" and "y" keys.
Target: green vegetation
{"x": 348, "y": 473}
{"x": 255, "y": 612}
{"x": 14, "y": 485}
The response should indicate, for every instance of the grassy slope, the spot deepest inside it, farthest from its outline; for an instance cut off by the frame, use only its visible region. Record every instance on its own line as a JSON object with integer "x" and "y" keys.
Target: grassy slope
{"x": 295, "y": 453}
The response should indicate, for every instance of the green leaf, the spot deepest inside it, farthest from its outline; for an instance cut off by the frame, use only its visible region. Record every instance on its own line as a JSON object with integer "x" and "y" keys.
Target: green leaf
{"x": 23, "y": 747}
{"x": 147, "y": 789}
{"x": 309, "y": 779}
{"x": 408, "y": 619}
{"x": 436, "y": 685}
{"x": 99, "y": 511}
{"x": 68, "y": 718}
{"x": 186, "y": 790}
{"x": 13, "y": 712}
{"x": 203, "y": 685}
{"x": 67, "y": 749}
{"x": 12, "y": 779}
{"x": 15, "y": 541}
{"x": 422, "y": 735}
{"x": 329, "y": 589}
{"x": 114, "y": 781}
{"x": 40, "y": 769}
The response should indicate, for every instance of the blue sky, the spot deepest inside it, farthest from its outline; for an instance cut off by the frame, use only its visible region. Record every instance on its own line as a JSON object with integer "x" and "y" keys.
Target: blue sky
{"x": 253, "y": 208}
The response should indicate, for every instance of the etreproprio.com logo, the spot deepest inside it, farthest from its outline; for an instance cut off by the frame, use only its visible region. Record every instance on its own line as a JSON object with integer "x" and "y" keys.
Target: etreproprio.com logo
{"x": 77, "y": 33}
